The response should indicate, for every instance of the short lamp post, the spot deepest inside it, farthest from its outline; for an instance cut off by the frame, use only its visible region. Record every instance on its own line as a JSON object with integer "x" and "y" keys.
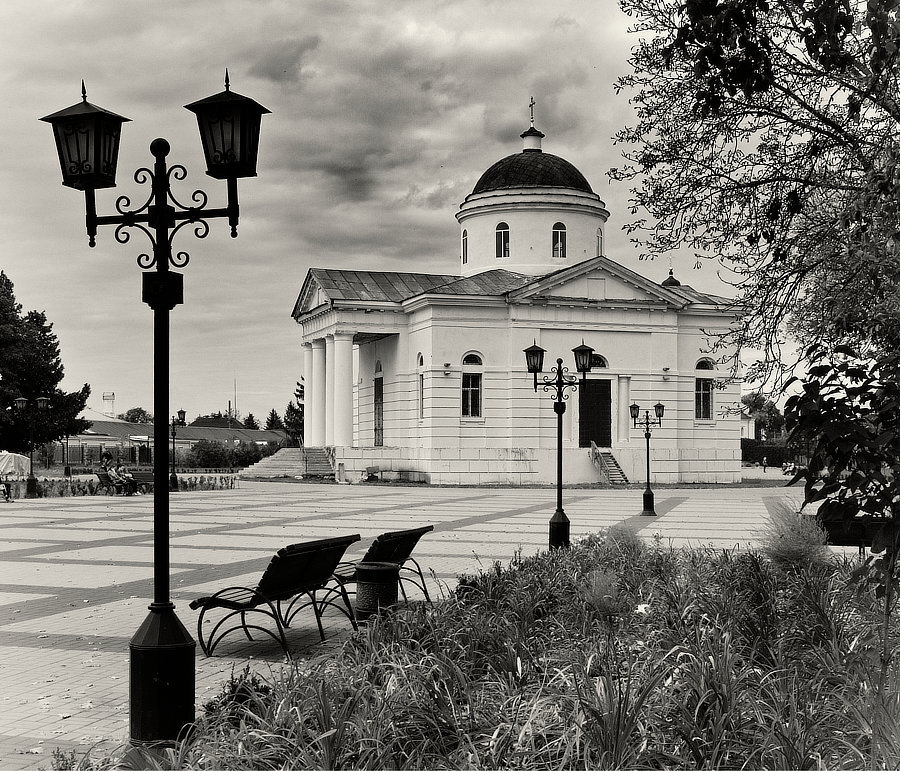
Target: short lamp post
{"x": 30, "y": 408}
{"x": 556, "y": 385}
{"x": 173, "y": 477}
{"x": 87, "y": 141}
{"x": 647, "y": 423}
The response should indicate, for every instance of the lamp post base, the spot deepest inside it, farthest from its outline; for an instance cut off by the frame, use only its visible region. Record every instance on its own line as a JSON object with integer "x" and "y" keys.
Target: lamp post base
{"x": 162, "y": 677}
{"x": 173, "y": 482}
{"x": 649, "y": 510}
{"x": 559, "y": 530}
{"x": 31, "y": 487}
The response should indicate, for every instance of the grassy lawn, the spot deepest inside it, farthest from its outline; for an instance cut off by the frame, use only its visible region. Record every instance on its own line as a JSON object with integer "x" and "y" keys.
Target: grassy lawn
{"x": 617, "y": 653}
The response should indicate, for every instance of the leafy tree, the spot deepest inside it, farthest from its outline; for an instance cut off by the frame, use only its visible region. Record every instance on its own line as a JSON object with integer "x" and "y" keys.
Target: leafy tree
{"x": 768, "y": 136}
{"x": 274, "y": 421}
{"x": 251, "y": 422}
{"x": 31, "y": 366}
{"x": 136, "y": 415}
{"x": 208, "y": 454}
{"x": 848, "y": 416}
{"x": 765, "y": 414}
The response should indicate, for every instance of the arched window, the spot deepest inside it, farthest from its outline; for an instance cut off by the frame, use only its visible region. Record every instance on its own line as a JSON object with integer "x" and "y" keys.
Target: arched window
{"x": 502, "y": 240}
{"x": 465, "y": 246}
{"x": 471, "y": 385}
{"x": 598, "y": 361}
{"x": 559, "y": 240}
{"x": 599, "y": 242}
{"x": 703, "y": 390}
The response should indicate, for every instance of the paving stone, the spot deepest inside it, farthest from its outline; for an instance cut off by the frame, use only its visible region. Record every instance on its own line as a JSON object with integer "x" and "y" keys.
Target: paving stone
{"x": 76, "y": 577}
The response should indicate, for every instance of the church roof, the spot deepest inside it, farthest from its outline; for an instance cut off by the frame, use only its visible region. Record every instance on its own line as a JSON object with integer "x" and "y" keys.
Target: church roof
{"x": 531, "y": 169}
{"x": 385, "y": 286}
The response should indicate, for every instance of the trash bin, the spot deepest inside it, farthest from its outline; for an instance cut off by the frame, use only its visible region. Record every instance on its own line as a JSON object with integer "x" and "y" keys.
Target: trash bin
{"x": 376, "y": 587}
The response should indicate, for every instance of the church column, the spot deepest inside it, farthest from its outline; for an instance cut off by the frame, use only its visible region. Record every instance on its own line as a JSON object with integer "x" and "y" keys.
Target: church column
{"x": 343, "y": 389}
{"x": 624, "y": 399}
{"x": 329, "y": 390}
{"x": 317, "y": 403}
{"x": 307, "y": 370}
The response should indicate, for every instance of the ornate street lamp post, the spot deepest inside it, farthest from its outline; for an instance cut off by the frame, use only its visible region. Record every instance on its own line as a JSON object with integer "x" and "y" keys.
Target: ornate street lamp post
{"x": 87, "y": 141}
{"x": 556, "y": 385}
{"x": 30, "y": 407}
{"x": 646, "y": 423}
{"x": 173, "y": 478}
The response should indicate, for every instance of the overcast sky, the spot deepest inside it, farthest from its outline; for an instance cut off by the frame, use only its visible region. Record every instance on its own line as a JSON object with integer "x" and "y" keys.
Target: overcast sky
{"x": 384, "y": 115}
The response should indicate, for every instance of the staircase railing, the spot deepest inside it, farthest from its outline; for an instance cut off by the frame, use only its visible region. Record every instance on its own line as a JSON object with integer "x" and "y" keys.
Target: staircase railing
{"x": 599, "y": 463}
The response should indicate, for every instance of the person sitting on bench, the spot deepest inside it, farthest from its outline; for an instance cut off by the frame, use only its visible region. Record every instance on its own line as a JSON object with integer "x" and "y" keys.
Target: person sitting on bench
{"x": 120, "y": 475}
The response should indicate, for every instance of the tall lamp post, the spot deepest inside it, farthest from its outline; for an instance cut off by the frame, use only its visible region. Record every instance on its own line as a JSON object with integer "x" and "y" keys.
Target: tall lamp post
{"x": 647, "y": 423}
{"x": 556, "y": 385}
{"x": 30, "y": 407}
{"x": 87, "y": 140}
{"x": 173, "y": 478}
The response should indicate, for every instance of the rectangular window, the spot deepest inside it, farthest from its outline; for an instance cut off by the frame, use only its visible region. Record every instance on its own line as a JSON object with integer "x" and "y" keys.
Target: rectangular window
{"x": 471, "y": 395}
{"x": 421, "y": 396}
{"x": 703, "y": 399}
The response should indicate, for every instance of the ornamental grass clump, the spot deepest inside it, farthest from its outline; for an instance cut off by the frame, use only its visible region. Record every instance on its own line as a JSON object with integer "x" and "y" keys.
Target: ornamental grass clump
{"x": 615, "y": 653}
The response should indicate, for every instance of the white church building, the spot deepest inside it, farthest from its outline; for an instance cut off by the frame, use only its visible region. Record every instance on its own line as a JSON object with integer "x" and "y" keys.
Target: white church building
{"x": 423, "y": 375}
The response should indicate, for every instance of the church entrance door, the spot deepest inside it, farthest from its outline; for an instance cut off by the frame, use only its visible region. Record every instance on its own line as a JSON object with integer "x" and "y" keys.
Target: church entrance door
{"x": 379, "y": 412}
{"x": 594, "y": 413}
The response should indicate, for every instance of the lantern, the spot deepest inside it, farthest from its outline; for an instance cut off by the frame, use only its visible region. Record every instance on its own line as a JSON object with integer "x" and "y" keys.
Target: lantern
{"x": 583, "y": 355}
{"x": 229, "y": 130}
{"x": 87, "y": 141}
{"x": 534, "y": 360}
{"x": 181, "y": 414}
{"x": 659, "y": 408}
{"x": 635, "y": 411}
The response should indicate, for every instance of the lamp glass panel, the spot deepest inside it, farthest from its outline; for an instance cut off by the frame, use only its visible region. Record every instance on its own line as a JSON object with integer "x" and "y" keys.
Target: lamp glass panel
{"x": 635, "y": 410}
{"x": 659, "y": 408}
{"x": 21, "y": 402}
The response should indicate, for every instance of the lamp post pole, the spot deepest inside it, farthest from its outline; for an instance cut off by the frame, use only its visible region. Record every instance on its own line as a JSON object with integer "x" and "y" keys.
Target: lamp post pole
{"x": 176, "y": 421}
{"x": 646, "y": 423}
{"x": 87, "y": 139}
{"x": 28, "y": 406}
{"x": 556, "y": 385}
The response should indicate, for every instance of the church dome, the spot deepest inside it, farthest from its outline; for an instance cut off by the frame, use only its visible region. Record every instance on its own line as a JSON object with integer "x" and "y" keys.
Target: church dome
{"x": 531, "y": 168}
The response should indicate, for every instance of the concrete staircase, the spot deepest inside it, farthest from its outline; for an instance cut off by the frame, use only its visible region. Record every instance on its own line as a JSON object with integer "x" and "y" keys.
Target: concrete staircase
{"x": 616, "y": 475}
{"x": 607, "y": 466}
{"x": 291, "y": 462}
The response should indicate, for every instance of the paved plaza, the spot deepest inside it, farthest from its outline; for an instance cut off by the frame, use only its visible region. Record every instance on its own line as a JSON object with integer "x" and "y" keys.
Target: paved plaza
{"x": 75, "y": 579}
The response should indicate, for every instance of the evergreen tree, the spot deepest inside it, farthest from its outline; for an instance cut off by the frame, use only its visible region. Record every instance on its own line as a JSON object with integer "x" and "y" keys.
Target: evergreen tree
{"x": 274, "y": 421}
{"x": 31, "y": 367}
{"x": 293, "y": 421}
{"x": 251, "y": 422}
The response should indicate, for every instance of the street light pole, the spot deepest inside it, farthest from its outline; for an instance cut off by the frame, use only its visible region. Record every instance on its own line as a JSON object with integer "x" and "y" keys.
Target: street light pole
{"x": 556, "y": 385}
{"x": 28, "y": 406}
{"x": 646, "y": 423}
{"x": 87, "y": 141}
{"x": 179, "y": 421}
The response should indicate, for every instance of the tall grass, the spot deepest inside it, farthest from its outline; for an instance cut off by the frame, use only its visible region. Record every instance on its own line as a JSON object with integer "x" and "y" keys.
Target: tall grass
{"x": 616, "y": 653}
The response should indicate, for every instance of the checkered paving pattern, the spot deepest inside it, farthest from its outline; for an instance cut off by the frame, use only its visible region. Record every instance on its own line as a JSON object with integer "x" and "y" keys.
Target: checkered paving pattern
{"x": 76, "y": 576}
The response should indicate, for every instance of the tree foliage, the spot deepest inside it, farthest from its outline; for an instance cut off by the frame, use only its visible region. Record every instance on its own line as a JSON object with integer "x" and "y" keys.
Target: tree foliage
{"x": 274, "y": 421}
{"x": 767, "y": 136}
{"x": 136, "y": 415}
{"x": 31, "y": 366}
{"x": 765, "y": 414}
{"x": 251, "y": 422}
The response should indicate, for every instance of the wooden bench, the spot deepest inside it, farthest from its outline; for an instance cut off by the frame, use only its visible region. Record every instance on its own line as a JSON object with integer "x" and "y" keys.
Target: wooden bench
{"x": 108, "y": 485}
{"x": 857, "y": 532}
{"x": 288, "y": 585}
{"x": 143, "y": 479}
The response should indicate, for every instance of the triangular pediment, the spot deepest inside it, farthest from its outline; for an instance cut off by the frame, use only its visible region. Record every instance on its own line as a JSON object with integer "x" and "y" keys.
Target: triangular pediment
{"x": 312, "y": 295}
{"x": 598, "y": 279}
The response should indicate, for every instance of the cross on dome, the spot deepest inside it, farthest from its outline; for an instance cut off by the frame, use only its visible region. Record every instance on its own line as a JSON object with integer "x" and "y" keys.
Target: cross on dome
{"x": 531, "y": 106}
